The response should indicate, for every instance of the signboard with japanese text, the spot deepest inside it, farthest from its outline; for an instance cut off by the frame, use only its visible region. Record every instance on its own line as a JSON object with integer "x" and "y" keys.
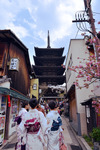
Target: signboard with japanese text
{"x": 14, "y": 64}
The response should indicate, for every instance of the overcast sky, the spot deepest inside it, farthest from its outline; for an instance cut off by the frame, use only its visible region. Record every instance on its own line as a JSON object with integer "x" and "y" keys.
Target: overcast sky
{"x": 30, "y": 20}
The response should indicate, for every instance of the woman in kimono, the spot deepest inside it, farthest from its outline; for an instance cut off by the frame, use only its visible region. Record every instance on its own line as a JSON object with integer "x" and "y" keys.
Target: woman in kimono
{"x": 34, "y": 125}
{"x": 22, "y": 112}
{"x": 54, "y": 125}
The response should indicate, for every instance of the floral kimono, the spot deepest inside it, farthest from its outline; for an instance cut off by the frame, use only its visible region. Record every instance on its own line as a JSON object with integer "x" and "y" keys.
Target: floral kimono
{"x": 34, "y": 125}
{"x": 19, "y": 133}
{"x": 54, "y": 125}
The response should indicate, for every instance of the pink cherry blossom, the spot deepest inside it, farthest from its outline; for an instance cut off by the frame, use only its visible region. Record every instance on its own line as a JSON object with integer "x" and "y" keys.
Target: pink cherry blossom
{"x": 93, "y": 102}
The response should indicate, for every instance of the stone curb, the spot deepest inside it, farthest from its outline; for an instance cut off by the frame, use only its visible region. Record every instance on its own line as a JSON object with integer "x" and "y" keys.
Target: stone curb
{"x": 9, "y": 140}
{"x": 80, "y": 139}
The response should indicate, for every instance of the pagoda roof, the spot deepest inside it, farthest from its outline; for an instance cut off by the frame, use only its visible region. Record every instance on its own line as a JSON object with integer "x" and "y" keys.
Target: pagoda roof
{"x": 41, "y": 60}
{"x": 52, "y": 69}
{"x": 40, "y": 52}
{"x": 53, "y": 80}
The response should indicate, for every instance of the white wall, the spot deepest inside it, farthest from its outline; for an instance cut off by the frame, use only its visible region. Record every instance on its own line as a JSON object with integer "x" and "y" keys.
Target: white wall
{"x": 97, "y": 89}
{"x": 78, "y": 48}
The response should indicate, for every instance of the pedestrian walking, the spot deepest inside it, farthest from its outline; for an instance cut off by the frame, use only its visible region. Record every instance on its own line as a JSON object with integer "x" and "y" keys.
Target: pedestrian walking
{"x": 18, "y": 119}
{"x": 54, "y": 127}
{"x": 39, "y": 108}
{"x": 46, "y": 108}
{"x": 34, "y": 125}
{"x": 61, "y": 108}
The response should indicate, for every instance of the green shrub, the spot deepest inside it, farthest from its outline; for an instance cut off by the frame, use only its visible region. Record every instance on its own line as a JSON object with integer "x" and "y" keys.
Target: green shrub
{"x": 88, "y": 140}
{"x": 95, "y": 134}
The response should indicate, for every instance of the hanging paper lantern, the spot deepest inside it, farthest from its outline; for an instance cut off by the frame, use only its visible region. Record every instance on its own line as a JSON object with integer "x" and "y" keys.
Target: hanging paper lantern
{"x": 9, "y": 102}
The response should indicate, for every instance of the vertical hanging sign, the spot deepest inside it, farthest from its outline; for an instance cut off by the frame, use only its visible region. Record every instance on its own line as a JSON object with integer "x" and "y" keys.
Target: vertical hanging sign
{"x": 9, "y": 102}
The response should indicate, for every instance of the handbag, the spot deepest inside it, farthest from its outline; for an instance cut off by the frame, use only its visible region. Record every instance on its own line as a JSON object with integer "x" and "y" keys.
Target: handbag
{"x": 61, "y": 142}
{"x": 63, "y": 147}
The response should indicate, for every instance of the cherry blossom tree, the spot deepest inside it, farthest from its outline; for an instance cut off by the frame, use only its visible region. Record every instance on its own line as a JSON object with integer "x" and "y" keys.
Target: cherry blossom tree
{"x": 89, "y": 69}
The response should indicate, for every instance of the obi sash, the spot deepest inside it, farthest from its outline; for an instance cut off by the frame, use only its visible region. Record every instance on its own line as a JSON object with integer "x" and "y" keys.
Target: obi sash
{"x": 56, "y": 124}
{"x": 32, "y": 125}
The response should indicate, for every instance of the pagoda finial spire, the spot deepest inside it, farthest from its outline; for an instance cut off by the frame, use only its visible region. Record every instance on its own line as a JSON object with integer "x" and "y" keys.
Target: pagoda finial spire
{"x": 48, "y": 41}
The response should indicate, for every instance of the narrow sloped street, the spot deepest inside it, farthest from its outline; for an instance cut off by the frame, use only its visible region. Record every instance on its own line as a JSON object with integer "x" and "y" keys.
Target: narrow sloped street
{"x": 70, "y": 138}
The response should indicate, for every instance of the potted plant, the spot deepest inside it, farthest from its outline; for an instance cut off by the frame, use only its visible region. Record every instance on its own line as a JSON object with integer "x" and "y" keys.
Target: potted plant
{"x": 95, "y": 134}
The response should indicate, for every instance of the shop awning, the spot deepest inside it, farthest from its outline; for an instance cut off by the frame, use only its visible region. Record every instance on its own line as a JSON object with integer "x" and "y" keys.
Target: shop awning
{"x": 88, "y": 101}
{"x": 12, "y": 93}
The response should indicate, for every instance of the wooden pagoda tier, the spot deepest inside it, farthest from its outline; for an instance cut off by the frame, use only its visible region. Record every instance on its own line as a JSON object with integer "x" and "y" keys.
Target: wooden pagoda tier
{"x": 48, "y": 52}
{"x": 49, "y": 64}
{"x": 53, "y": 80}
{"x": 48, "y": 70}
{"x": 43, "y": 61}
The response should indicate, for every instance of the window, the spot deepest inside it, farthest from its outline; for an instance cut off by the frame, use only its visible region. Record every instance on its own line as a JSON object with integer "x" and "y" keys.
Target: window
{"x": 34, "y": 86}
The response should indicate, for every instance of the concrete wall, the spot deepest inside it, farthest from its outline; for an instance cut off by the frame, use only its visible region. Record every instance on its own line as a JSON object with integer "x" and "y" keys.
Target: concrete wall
{"x": 97, "y": 89}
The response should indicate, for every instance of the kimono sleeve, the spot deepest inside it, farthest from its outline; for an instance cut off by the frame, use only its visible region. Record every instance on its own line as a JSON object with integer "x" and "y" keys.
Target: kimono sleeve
{"x": 43, "y": 122}
{"x": 21, "y": 125}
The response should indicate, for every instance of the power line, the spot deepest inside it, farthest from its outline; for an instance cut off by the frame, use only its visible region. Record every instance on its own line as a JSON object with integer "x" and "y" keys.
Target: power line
{"x": 76, "y": 33}
{"x": 96, "y": 13}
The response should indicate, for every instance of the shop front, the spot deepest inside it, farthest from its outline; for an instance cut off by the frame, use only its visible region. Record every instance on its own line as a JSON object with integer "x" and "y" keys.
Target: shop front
{"x": 3, "y": 102}
{"x": 13, "y": 113}
{"x": 10, "y": 103}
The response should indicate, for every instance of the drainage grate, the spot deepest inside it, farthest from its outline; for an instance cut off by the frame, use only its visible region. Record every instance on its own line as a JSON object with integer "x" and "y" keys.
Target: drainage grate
{"x": 9, "y": 146}
{"x": 74, "y": 147}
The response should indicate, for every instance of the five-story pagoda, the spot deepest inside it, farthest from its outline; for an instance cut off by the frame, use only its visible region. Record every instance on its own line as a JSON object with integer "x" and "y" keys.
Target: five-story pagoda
{"x": 49, "y": 65}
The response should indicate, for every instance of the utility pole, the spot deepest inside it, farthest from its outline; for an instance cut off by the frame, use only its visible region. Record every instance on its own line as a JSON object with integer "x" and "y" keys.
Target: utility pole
{"x": 88, "y": 9}
{"x": 81, "y": 19}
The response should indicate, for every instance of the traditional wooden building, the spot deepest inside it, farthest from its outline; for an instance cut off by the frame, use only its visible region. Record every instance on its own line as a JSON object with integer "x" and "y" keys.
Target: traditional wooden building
{"x": 14, "y": 65}
{"x": 49, "y": 65}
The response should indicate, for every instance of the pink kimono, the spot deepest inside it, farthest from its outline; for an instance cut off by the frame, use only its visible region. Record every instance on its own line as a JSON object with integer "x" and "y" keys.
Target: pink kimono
{"x": 34, "y": 124}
